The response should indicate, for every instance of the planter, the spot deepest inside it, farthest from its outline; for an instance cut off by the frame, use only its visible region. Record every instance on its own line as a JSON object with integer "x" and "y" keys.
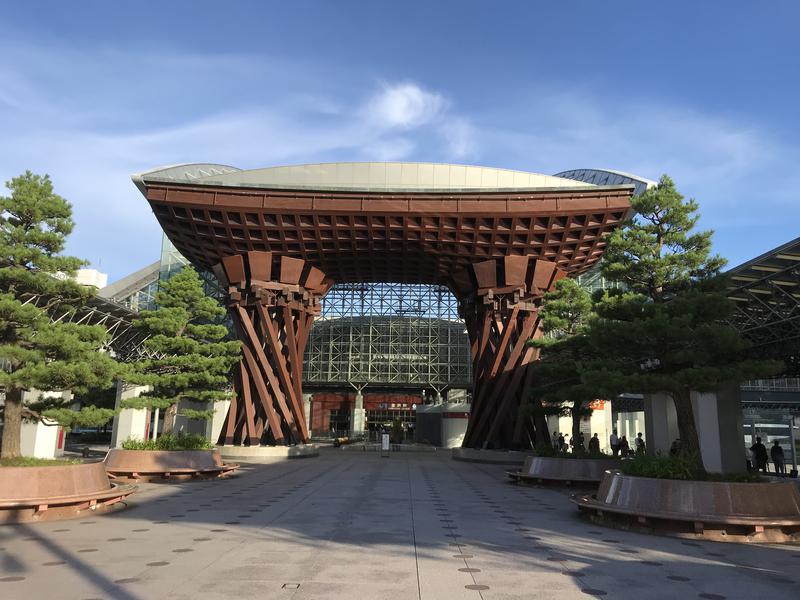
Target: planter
{"x": 540, "y": 469}
{"x": 768, "y": 511}
{"x": 491, "y": 457}
{"x": 141, "y": 465}
{"x": 57, "y": 492}
{"x": 257, "y": 453}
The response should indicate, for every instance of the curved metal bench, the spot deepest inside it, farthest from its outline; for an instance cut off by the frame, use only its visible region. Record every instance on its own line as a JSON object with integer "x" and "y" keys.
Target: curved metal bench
{"x": 151, "y": 465}
{"x": 768, "y": 511}
{"x": 542, "y": 469}
{"x": 57, "y": 492}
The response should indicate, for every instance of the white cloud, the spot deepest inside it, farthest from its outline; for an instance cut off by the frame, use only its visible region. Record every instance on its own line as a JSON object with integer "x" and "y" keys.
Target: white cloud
{"x": 404, "y": 105}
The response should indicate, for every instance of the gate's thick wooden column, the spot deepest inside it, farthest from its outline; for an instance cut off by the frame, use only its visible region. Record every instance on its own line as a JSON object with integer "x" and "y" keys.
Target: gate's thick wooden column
{"x": 499, "y": 301}
{"x": 272, "y": 302}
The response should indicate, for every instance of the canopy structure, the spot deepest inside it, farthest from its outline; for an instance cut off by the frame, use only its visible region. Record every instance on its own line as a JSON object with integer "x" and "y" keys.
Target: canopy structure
{"x": 278, "y": 238}
{"x": 766, "y": 293}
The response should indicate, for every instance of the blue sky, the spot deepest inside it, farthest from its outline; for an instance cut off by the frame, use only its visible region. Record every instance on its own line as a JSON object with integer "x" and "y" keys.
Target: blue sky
{"x": 91, "y": 92}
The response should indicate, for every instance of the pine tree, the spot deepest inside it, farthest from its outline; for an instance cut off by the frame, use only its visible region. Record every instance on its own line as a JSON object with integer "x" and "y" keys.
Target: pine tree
{"x": 566, "y": 313}
{"x": 667, "y": 332}
{"x": 38, "y": 354}
{"x": 195, "y": 356}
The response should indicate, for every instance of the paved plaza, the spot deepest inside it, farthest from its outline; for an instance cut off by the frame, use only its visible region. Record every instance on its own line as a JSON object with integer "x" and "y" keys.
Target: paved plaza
{"x": 358, "y": 526}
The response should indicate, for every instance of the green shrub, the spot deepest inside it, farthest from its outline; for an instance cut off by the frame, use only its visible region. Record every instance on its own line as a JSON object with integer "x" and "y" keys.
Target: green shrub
{"x": 181, "y": 441}
{"x": 687, "y": 467}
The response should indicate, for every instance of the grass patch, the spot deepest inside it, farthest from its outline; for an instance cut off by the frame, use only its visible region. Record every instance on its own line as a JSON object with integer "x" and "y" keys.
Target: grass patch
{"x": 27, "y": 461}
{"x": 684, "y": 467}
{"x": 182, "y": 441}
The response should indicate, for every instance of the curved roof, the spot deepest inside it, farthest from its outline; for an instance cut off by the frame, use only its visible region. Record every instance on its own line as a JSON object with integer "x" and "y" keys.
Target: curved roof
{"x": 609, "y": 177}
{"x": 364, "y": 176}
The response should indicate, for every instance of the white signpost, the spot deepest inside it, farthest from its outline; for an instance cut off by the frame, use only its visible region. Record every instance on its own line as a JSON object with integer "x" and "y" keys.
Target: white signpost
{"x": 385, "y": 445}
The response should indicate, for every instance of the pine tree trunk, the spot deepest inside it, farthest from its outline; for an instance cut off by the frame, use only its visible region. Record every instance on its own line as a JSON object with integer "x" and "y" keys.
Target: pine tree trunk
{"x": 12, "y": 424}
{"x": 169, "y": 419}
{"x": 687, "y": 428}
{"x": 576, "y": 428}
{"x": 539, "y": 423}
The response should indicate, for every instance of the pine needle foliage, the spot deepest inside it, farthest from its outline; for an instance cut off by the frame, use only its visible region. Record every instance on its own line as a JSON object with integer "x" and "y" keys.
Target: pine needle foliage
{"x": 667, "y": 331}
{"x": 39, "y": 354}
{"x": 196, "y": 358}
{"x": 566, "y": 314}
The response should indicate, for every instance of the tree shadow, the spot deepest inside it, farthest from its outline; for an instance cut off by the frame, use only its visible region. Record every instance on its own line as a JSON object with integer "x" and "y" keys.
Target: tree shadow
{"x": 426, "y": 509}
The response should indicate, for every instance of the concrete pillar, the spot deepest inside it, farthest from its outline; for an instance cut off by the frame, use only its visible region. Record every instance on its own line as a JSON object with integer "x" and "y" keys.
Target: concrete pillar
{"x": 358, "y": 416}
{"x": 215, "y": 424}
{"x": 129, "y": 422}
{"x": 660, "y": 422}
{"x": 718, "y": 416}
{"x": 455, "y": 418}
{"x": 601, "y": 423}
{"x": 720, "y": 424}
{"x": 308, "y": 406}
{"x": 193, "y": 426}
{"x": 630, "y": 424}
{"x": 41, "y": 439}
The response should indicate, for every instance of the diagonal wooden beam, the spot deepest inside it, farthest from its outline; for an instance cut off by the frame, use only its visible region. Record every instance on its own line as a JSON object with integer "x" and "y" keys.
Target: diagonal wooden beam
{"x": 529, "y": 323}
{"x": 249, "y": 410}
{"x": 264, "y": 397}
{"x": 291, "y": 344}
{"x": 264, "y": 363}
{"x": 233, "y": 408}
{"x": 283, "y": 373}
{"x": 510, "y": 393}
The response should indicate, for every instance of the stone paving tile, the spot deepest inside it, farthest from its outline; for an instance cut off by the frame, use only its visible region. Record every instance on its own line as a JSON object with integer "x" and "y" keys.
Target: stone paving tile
{"x": 346, "y": 525}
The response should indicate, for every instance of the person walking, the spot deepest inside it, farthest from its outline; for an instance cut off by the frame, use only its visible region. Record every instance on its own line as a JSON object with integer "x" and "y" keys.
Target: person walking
{"x": 594, "y": 444}
{"x": 561, "y": 443}
{"x": 640, "y": 447}
{"x": 624, "y": 447}
{"x": 555, "y": 440}
{"x": 760, "y": 457}
{"x": 676, "y": 447}
{"x": 776, "y": 453}
{"x": 614, "y": 441}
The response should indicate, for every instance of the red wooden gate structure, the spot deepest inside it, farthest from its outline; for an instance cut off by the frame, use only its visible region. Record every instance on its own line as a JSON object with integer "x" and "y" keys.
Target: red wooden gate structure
{"x": 278, "y": 238}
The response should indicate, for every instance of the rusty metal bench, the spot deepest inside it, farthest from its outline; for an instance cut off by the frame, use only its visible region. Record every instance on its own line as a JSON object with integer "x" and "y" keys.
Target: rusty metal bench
{"x": 544, "y": 469}
{"x": 768, "y": 511}
{"x": 57, "y": 492}
{"x": 161, "y": 465}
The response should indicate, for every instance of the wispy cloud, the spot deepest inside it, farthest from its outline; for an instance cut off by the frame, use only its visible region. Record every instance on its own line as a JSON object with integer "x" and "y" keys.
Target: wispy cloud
{"x": 92, "y": 120}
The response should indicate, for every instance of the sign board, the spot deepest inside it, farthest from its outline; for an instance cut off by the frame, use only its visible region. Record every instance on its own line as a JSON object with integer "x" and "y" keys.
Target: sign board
{"x": 385, "y": 442}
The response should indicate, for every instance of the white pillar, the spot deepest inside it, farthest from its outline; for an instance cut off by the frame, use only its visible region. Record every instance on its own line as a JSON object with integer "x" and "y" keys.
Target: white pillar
{"x": 41, "y": 439}
{"x": 661, "y": 422}
{"x": 129, "y": 422}
{"x": 308, "y": 400}
{"x": 215, "y": 424}
{"x": 358, "y": 415}
{"x": 454, "y": 424}
{"x": 719, "y": 422}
